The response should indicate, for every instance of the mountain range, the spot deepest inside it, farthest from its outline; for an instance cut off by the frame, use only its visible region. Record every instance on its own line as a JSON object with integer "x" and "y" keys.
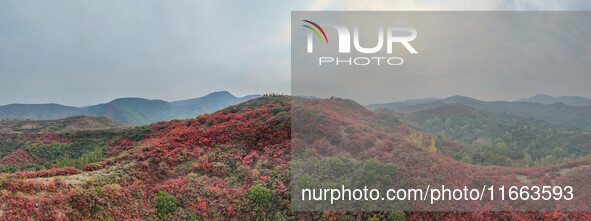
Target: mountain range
{"x": 578, "y": 116}
{"x": 132, "y": 111}
{"x": 568, "y": 100}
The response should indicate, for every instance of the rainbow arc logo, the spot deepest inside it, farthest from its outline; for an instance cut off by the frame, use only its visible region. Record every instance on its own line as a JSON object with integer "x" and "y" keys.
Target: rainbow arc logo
{"x": 315, "y": 31}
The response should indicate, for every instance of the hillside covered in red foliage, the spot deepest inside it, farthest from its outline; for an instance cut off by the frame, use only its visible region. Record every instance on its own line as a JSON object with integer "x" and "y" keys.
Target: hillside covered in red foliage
{"x": 235, "y": 165}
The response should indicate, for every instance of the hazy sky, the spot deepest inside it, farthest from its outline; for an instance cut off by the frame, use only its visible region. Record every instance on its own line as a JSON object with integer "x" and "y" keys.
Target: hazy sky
{"x": 76, "y": 52}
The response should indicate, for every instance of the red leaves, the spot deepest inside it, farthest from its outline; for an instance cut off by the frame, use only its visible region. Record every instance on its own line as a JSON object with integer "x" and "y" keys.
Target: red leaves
{"x": 282, "y": 190}
{"x": 32, "y": 186}
{"x": 387, "y": 145}
{"x": 52, "y": 186}
{"x": 17, "y": 158}
{"x": 202, "y": 206}
{"x": 177, "y": 141}
{"x": 48, "y": 139}
{"x": 250, "y": 158}
{"x": 92, "y": 167}
{"x": 204, "y": 165}
{"x": 324, "y": 148}
{"x": 225, "y": 146}
{"x": 121, "y": 144}
{"x": 46, "y": 173}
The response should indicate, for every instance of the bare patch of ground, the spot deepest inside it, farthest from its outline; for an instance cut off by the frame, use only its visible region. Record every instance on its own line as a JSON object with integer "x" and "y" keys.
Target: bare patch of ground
{"x": 112, "y": 174}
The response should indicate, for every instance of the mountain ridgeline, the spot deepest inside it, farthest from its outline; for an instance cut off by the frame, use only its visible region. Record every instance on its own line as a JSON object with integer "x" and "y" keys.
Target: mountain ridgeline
{"x": 132, "y": 111}
{"x": 568, "y": 100}
{"x": 560, "y": 113}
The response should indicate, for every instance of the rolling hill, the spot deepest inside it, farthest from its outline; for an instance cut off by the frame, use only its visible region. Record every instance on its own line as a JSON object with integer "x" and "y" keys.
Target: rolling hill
{"x": 132, "y": 111}
{"x": 37, "y": 111}
{"x": 501, "y": 138}
{"x": 70, "y": 124}
{"x": 238, "y": 163}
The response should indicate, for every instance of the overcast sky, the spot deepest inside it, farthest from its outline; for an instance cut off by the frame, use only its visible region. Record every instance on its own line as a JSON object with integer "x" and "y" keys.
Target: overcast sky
{"x": 86, "y": 52}
{"x": 484, "y": 55}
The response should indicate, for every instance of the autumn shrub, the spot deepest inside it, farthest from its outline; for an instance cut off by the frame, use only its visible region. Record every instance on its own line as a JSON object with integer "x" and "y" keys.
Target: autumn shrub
{"x": 85, "y": 200}
{"x": 51, "y": 186}
{"x": 242, "y": 171}
{"x": 221, "y": 169}
{"x": 31, "y": 186}
{"x": 92, "y": 167}
{"x": 111, "y": 190}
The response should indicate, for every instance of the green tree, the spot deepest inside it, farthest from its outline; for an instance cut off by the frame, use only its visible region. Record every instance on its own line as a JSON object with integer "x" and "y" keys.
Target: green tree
{"x": 559, "y": 152}
{"x": 466, "y": 159}
{"x": 371, "y": 171}
{"x": 375, "y": 172}
{"x": 448, "y": 122}
{"x": 396, "y": 216}
{"x": 305, "y": 181}
{"x": 276, "y": 110}
{"x": 166, "y": 204}
{"x": 502, "y": 149}
{"x": 259, "y": 195}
